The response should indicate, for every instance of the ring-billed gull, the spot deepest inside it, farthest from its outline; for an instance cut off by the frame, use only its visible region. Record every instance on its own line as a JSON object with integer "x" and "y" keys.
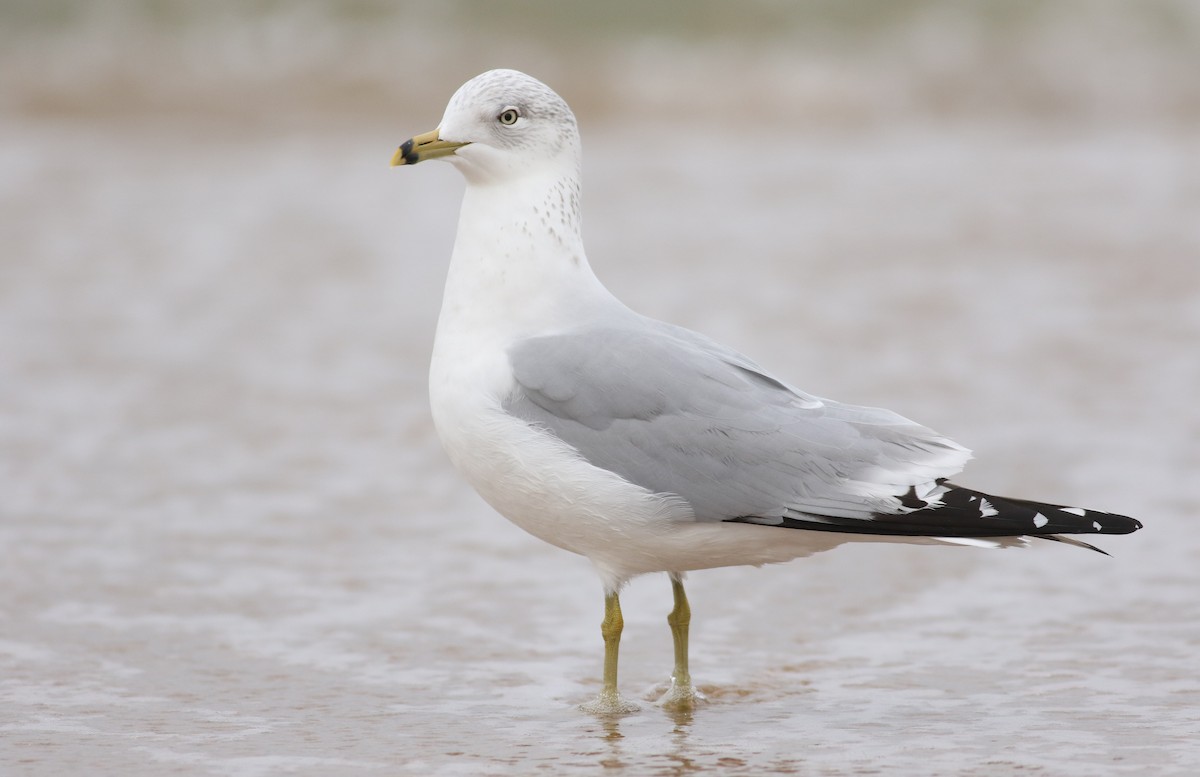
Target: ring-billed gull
{"x": 641, "y": 445}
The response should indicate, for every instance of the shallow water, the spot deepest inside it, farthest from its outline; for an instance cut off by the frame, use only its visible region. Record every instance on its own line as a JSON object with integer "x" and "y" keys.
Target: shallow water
{"x": 232, "y": 544}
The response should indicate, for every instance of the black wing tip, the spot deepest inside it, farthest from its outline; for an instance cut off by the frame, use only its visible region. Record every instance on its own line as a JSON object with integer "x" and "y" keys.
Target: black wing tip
{"x": 1113, "y": 524}
{"x": 963, "y": 512}
{"x": 1119, "y": 524}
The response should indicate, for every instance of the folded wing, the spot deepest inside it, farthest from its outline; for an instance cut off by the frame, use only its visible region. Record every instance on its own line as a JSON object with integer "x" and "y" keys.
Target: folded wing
{"x": 676, "y": 413}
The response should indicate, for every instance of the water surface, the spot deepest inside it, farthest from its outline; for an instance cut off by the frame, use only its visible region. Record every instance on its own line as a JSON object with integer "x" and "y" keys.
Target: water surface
{"x": 232, "y": 544}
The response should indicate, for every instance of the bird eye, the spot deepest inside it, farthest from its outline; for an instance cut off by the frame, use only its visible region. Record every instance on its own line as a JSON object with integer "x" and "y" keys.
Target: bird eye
{"x": 508, "y": 117}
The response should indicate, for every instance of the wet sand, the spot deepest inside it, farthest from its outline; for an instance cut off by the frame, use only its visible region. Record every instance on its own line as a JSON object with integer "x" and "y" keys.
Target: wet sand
{"x": 233, "y": 546}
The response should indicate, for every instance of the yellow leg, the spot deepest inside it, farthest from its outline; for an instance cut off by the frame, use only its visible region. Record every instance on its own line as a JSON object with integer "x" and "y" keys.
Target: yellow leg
{"x": 609, "y": 702}
{"x": 679, "y": 620}
{"x": 682, "y": 694}
{"x": 611, "y": 628}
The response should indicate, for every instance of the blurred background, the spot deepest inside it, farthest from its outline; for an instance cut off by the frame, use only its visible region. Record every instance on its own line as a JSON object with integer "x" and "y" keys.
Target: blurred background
{"x": 231, "y": 543}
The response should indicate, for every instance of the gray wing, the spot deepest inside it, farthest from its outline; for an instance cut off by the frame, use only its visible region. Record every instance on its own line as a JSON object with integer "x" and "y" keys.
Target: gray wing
{"x": 676, "y": 413}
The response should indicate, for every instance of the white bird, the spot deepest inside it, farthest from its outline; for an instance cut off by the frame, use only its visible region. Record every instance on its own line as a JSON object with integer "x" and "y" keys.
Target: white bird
{"x": 641, "y": 445}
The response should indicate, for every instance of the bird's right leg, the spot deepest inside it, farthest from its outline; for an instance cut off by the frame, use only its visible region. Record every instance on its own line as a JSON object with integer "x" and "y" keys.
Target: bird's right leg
{"x": 609, "y": 702}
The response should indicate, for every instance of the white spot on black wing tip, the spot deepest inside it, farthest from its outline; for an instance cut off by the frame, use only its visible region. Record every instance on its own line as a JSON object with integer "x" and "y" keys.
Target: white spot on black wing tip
{"x": 1074, "y": 511}
{"x": 1040, "y": 520}
{"x": 1096, "y": 525}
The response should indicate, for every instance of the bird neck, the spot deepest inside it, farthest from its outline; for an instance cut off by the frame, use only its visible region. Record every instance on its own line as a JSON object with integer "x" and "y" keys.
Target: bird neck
{"x": 518, "y": 259}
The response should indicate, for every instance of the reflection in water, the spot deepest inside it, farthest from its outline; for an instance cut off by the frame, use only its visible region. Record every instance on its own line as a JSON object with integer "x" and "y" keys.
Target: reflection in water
{"x": 681, "y": 760}
{"x": 611, "y": 726}
{"x": 682, "y": 719}
{"x": 665, "y": 744}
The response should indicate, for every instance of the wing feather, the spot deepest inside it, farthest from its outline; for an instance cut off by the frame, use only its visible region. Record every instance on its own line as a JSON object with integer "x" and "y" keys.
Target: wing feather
{"x": 676, "y": 413}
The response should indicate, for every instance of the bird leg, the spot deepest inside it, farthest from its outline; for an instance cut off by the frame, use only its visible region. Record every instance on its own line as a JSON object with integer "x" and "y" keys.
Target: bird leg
{"x": 682, "y": 695}
{"x": 609, "y": 702}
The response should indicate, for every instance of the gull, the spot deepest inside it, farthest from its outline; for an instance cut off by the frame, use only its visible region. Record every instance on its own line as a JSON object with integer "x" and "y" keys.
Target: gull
{"x": 644, "y": 446}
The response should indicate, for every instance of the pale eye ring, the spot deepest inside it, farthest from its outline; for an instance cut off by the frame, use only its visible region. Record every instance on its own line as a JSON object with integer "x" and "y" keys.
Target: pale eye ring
{"x": 508, "y": 117}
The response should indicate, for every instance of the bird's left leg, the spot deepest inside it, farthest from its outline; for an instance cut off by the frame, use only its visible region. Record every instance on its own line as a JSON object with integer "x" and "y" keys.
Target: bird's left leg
{"x": 682, "y": 694}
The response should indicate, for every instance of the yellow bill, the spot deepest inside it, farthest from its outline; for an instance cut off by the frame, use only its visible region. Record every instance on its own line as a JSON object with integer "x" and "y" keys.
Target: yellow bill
{"x": 427, "y": 145}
